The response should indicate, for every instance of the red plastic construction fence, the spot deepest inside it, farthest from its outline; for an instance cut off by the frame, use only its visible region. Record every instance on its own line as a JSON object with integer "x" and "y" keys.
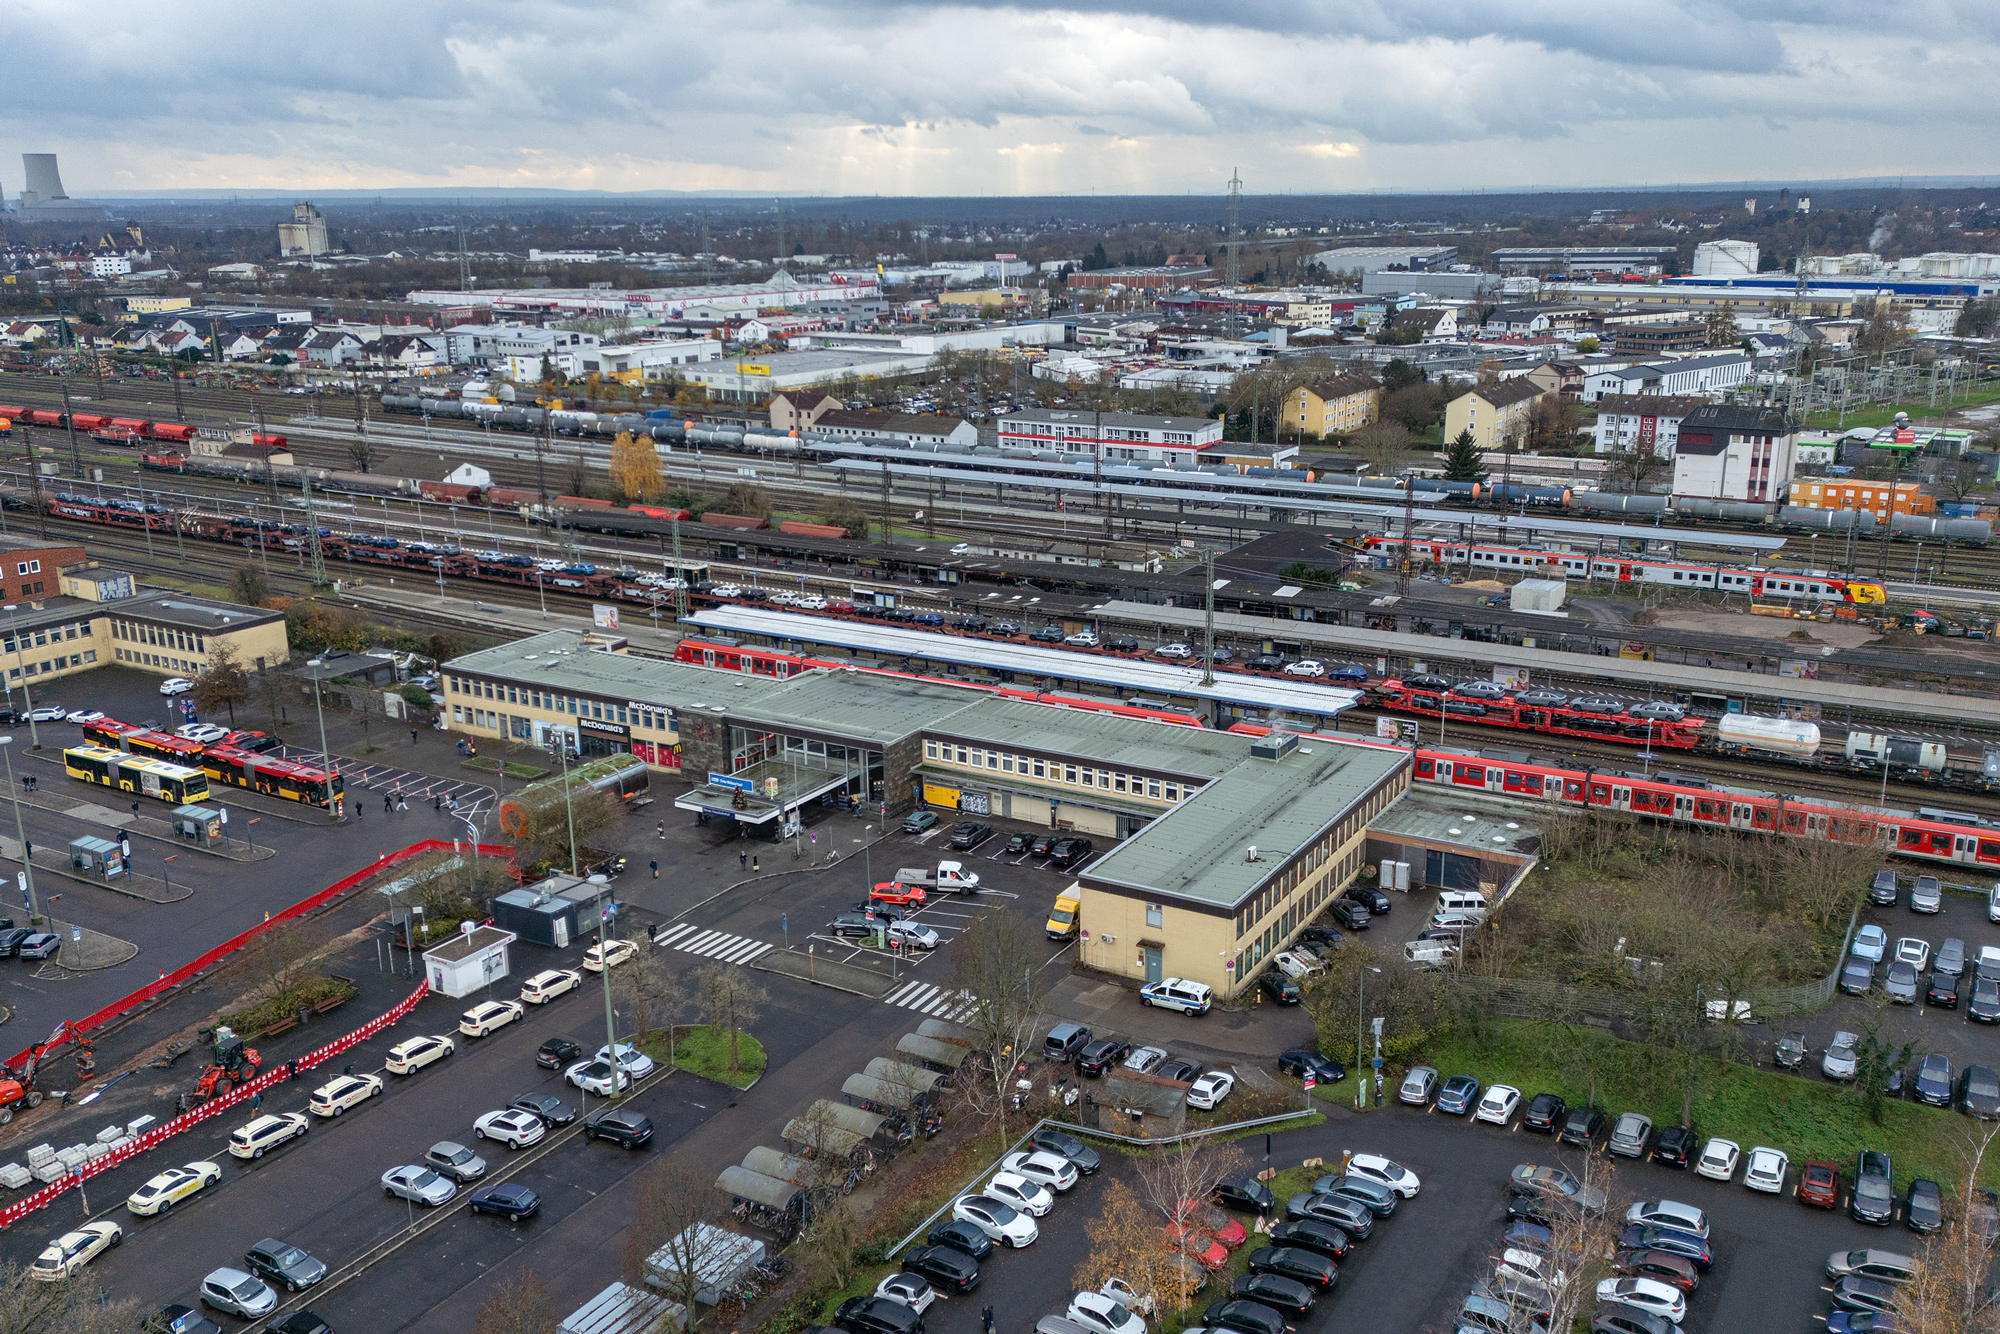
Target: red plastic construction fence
{"x": 168, "y": 981}
{"x": 215, "y": 1106}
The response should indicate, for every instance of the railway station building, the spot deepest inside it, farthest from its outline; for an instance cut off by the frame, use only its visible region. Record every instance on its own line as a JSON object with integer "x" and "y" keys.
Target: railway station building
{"x": 1219, "y": 847}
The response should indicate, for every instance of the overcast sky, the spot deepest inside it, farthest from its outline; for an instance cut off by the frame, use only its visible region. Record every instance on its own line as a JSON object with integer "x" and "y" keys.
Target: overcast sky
{"x": 922, "y": 97}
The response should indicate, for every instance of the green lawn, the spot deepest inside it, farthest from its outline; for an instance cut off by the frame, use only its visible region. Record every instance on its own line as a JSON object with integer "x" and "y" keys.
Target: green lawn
{"x": 701, "y": 1053}
{"x": 1806, "y": 1118}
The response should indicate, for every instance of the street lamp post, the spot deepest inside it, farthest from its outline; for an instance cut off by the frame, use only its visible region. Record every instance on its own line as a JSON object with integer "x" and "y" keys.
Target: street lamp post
{"x": 610, "y": 1026}
{"x": 332, "y": 769}
{"x": 1360, "y": 1080}
{"x": 21, "y": 666}
{"x": 20, "y": 830}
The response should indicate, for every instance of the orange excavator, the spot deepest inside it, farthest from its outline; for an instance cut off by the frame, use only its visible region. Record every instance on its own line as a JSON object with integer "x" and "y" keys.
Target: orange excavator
{"x": 17, "y": 1085}
{"x": 232, "y": 1064}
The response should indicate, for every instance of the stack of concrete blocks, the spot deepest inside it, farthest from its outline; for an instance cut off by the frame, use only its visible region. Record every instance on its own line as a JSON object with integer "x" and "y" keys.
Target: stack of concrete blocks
{"x": 140, "y": 1125}
{"x": 43, "y": 1163}
{"x": 76, "y": 1155}
{"x": 14, "y": 1176}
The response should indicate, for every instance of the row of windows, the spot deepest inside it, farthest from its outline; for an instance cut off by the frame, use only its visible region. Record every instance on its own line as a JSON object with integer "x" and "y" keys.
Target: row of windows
{"x": 1299, "y": 912}
{"x": 1053, "y": 771}
{"x": 160, "y": 636}
{"x": 27, "y": 567}
{"x": 165, "y": 660}
{"x": 56, "y": 664}
{"x": 1307, "y": 864}
{"x": 54, "y": 634}
{"x": 632, "y": 715}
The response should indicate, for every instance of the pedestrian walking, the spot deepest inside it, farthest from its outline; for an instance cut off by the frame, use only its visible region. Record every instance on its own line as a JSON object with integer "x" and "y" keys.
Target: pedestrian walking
{"x": 755, "y": 868}
{"x": 292, "y": 1070}
{"x": 437, "y": 802}
{"x": 402, "y": 802}
{"x": 348, "y": 1070}
{"x": 388, "y": 803}
{"x": 742, "y": 860}
{"x": 257, "y": 1102}
{"x": 413, "y": 736}
{"x": 661, "y": 829}
{"x": 656, "y": 868}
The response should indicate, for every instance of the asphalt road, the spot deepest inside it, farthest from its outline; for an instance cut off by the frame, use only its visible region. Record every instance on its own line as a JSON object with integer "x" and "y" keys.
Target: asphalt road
{"x": 1416, "y": 1269}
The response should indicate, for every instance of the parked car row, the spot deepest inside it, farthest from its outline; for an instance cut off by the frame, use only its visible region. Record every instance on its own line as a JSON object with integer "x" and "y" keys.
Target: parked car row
{"x": 1074, "y": 1044}
{"x": 1908, "y": 967}
{"x": 1001, "y": 1212}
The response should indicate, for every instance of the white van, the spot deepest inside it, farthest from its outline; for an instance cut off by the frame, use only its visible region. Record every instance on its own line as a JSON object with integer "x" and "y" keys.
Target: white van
{"x": 1468, "y": 901}
{"x": 1993, "y": 903}
{"x": 1429, "y": 953}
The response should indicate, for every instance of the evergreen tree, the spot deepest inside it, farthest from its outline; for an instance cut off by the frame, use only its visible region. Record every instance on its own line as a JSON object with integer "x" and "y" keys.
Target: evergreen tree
{"x": 1461, "y": 459}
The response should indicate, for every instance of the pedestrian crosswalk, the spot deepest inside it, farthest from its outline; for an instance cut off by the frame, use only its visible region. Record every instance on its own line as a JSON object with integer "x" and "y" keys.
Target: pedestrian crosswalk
{"x": 718, "y": 945}
{"x": 928, "y": 998}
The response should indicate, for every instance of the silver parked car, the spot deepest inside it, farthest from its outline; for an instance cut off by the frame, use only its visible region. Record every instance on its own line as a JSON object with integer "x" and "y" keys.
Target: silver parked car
{"x": 238, "y": 1293}
{"x": 417, "y": 1183}
{"x": 1839, "y": 1061}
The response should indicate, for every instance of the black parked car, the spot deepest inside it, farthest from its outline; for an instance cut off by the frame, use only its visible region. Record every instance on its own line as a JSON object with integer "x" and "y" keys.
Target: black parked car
{"x": 1244, "y": 1192}
{"x": 1583, "y": 1127}
{"x": 620, "y": 1125}
{"x": 1924, "y": 1210}
{"x": 1373, "y": 1196}
{"x": 1020, "y": 843}
{"x": 1321, "y": 938}
{"x": 11, "y": 940}
{"x": 1984, "y": 1007}
{"x": 1545, "y": 1114}
{"x": 1178, "y": 1070}
{"x": 1313, "y": 1235}
{"x": 1882, "y": 891}
{"x": 1677, "y": 1146}
{"x": 1245, "y": 1317}
{"x": 1979, "y": 1092}
{"x": 1048, "y": 634}
{"x": 969, "y": 834}
{"x": 283, "y": 1264}
{"x": 1280, "y": 988}
{"x": 1285, "y": 1295}
{"x": 1934, "y": 1078}
{"x": 856, "y": 926}
{"x": 298, "y": 1322}
{"x": 877, "y": 1315}
{"x": 1942, "y": 991}
{"x": 1295, "y": 1263}
{"x": 1102, "y": 1055}
{"x": 1653, "y": 1237}
{"x": 1067, "y": 852}
{"x": 1857, "y": 975}
{"x": 948, "y": 1268}
{"x": 1369, "y": 897}
{"x": 547, "y": 1106}
{"x": 1004, "y": 628}
{"x": 1301, "y": 1060}
{"x": 1079, "y": 1155}
{"x": 1043, "y": 842}
{"x": 1349, "y": 914}
{"x": 1348, "y": 1214}
{"x": 960, "y": 1235}
{"x": 557, "y": 1053}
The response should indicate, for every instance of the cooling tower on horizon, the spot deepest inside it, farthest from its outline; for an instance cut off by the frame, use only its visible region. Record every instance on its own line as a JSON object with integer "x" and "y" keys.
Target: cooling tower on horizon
{"x": 43, "y": 197}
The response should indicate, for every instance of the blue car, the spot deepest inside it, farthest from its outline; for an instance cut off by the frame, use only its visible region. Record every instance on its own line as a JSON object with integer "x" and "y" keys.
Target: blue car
{"x": 1458, "y": 1095}
{"x": 1347, "y": 672}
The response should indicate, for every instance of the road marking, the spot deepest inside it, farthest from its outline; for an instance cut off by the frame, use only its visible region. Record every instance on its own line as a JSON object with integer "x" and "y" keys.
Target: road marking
{"x": 931, "y": 999}
{"x": 717, "y": 945}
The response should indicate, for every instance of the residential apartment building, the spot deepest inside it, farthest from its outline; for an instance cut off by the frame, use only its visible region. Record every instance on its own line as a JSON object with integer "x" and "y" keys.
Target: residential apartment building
{"x": 906, "y": 428}
{"x": 1713, "y": 374}
{"x": 1495, "y": 414}
{"x": 1109, "y": 435}
{"x": 1658, "y": 339}
{"x": 1332, "y": 405}
{"x": 1642, "y": 423}
{"x": 1727, "y": 452}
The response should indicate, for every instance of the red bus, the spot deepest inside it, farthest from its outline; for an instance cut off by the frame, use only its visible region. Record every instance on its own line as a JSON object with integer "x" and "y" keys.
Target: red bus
{"x": 278, "y": 778}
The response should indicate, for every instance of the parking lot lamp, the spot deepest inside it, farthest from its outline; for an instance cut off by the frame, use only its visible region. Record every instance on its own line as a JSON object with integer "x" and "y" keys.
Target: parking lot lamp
{"x": 20, "y": 830}
{"x": 1360, "y": 1080}
{"x": 34, "y": 736}
{"x": 331, "y": 768}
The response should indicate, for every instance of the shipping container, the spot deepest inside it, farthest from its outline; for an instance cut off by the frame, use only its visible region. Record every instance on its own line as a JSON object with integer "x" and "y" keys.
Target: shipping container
{"x": 721, "y": 520}
{"x": 811, "y": 529}
{"x": 449, "y": 492}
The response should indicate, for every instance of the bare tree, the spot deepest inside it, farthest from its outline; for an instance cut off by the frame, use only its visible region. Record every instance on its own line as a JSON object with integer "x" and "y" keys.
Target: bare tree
{"x": 74, "y": 1306}
{"x": 518, "y": 1304}
{"x": 674, "y": 1242}
{"x": 731, "y": 997}
{"x": 831, "y": 1240}
{"x": 999, "y": 974}
{"x": 1173, "y": 1175}
{"x": 653, "y": 992}
{"x": 1125, "y": 1244}
{"x": 1583, "y": 1235}
{"x": 1951, "y": 1293}
{"x": 223, "y": 683}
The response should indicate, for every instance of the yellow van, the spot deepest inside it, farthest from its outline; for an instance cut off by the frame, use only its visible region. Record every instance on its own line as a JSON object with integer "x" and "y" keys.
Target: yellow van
{"x": 1062, "y": 924}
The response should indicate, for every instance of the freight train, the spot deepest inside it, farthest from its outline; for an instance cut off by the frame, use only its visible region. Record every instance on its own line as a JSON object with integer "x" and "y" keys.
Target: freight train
{"x": 1757, "y": 581}
{"x": 114, "y": 430}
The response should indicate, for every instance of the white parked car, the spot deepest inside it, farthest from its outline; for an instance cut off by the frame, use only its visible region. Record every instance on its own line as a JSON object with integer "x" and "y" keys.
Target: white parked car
{"x": 176, "y": 685}
{"x": 597, "y": 1077}
{"x": 410, "y": 1056}
{"x": 1015, "y": 1190}
{"x": 73, "y": 1250}
{"x": 1209, "y": 1089}
{"x": 1766, "y": 1170}
{"x": 1127, "y": 1296}
{"x": 1498, "y": 1104}
{"x": 1050, "y": 1170}
{"x": 1305, "y": 667}
{"x": 516, "y": 1129}
{"x": 630, "y": 1059}
{"x": 265, "y": 1133}
{"x": 172, "y": 1186}
{"x": 1532, "y": 1265}
{"x": 912, "y": 1290}
{"x": 618, "y": 950}
{"x": 1175, "y": 651}
{"x": 1386, "y": 1171}
{"x": 1669, "y": 1213}
{"x": 1648, "y": 1294}
{"x": 811, "y": 602}
{"x": 726, "y": 591}
{"x": 545, "y": 986}
{"x": 200, "y": 732}
{"x": 487, "y": 1016}
{"x": 1296, "y": 964}
{"x": 1081, "y": 639}
{"x": 1104, "y": 1315}
{"x": 1913, "y": 951}
{"x": 337, "y": 1095}
{"x": 1718, "y": 1159}
{"x": 996, "y": 1218}
{"x": 84, "y": 716}
{"x": 1144, "y": 1060}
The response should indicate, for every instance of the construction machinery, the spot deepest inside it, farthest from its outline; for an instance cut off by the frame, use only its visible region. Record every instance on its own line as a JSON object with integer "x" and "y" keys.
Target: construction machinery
{"x": 231, "y": 1064}
{"x": 18, "y": 1087}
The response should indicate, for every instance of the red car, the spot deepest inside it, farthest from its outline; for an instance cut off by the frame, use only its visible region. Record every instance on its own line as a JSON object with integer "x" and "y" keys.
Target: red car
{"x": 1819, "y": 1184}
{"x": 895, "y": 891}
{"x": 1198, "y": 1213}
{"x": 1196, "y": 1245}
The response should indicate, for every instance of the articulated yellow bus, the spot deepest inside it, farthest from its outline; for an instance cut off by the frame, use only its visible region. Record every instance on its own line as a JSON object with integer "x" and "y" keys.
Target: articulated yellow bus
{"x": 135, "y": 773}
